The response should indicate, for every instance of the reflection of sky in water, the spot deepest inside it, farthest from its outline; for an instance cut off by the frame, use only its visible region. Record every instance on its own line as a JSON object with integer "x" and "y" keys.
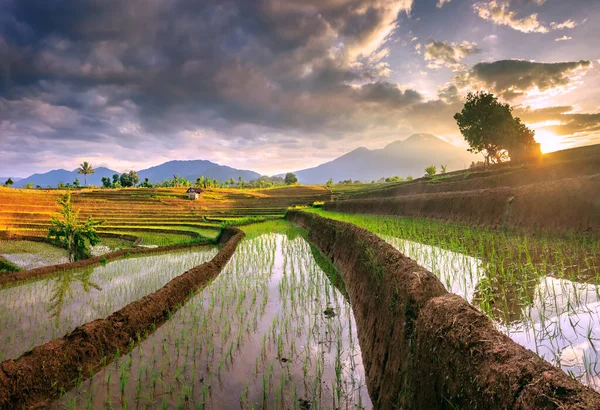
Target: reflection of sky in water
{"x": 34, "y": 260}
{"x": 41, "y": 310}
{"x": 458, "y": 272}
{"x": 562, "y": 324}
{"x": 272, "y": 291}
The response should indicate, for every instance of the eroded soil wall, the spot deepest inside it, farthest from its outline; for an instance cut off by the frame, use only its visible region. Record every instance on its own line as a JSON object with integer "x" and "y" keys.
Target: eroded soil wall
{"x": 37, "y": 376}
{"x": 568, "y": 205}
{"x": 424, "y": 348}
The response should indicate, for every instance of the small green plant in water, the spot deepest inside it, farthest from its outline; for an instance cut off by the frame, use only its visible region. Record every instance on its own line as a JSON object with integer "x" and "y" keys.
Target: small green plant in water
{"x": 66, "y": 230}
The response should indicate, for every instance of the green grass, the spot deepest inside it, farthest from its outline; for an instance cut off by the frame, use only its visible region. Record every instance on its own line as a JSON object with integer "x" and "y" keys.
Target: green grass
{"x": 513, "y": 259}
{"x": 159, "y": 238}
{"x": 7, "y": 267}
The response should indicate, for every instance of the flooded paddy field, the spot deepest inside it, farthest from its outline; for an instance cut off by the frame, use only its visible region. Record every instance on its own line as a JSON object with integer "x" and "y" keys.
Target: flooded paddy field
{"x": 541, "y": 291}
{"x": 37, "y": 311}
{"x": 271, "y": 331}
{"x": 31, "y": 255}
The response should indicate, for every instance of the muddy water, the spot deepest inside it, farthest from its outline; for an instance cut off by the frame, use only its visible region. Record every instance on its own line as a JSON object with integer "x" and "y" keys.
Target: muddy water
{"x": 270, "y": 332}
{"x": 559, "y": 319}
{"x": 38, "y": 311}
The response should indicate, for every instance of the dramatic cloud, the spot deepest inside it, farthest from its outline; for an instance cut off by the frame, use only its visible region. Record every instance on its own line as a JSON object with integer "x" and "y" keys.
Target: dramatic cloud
{"x": 287, "y": 83}
{"x": 123, "y": 72}
{"x": 564, "y": 122}
{"x": 514, "y": 78}
{"x": 444, "y": 54}
{"x": 498, "y": 12}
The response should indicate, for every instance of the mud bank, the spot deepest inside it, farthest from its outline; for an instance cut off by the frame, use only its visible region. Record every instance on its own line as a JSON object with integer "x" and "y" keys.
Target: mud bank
{"x": 464, "y": 181}
{"x": 32, "y": 380}
{"x": 568, "y": 205}
{"x": 96, "y": 260}
{"x": 424, "y": 348}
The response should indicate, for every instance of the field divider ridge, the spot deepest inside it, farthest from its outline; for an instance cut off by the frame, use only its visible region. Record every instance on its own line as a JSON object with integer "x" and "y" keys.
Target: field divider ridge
{"x": 425, "y": 348}
{"x": 24, "y": 275}
{"x": 38, "y": 376}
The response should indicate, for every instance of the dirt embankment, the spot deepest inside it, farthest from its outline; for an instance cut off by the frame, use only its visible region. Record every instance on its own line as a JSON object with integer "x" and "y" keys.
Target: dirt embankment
{"x": 501, "y": 177}
{"x": 424, "y": 348}
{"x": 39, "y": 375}
{"x": 568, "y": 205}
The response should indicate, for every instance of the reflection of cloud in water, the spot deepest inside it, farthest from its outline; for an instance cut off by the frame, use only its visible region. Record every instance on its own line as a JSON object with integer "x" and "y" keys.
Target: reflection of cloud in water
{"x": 562, "y": 325}
{"x": 33, "y": 260}
{"x": 458, "y": 272}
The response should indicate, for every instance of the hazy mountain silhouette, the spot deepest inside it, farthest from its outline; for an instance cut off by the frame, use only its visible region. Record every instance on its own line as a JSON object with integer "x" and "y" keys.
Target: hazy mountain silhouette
{"x": 401, "y": 158}
{"x": 188, "y": 169}
{"x": 194, "y": 169}
{"x": 52, "y": 178}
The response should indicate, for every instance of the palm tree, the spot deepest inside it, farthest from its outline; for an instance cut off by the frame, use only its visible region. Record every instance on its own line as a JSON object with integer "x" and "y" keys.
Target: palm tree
{"x": 85, "y": 169}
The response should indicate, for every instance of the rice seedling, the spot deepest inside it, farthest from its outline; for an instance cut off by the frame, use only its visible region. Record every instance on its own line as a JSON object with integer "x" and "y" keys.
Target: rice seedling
{"x": 41, "y": 310}
{"x": 261, "y": 346}
{"x": 543, "y": 291}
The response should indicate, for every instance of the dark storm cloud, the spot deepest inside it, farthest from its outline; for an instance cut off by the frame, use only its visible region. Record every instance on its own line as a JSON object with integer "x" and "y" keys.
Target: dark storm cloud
{"x": 262, "y": 61}
{"x": 512, "y": 78}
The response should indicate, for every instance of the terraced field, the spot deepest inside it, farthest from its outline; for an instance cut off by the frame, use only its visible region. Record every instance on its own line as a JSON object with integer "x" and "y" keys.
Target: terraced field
{"x": 158, "y": 216}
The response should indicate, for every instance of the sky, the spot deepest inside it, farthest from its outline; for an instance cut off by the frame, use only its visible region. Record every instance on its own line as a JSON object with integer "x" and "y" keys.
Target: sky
{"x": 274, "y": 85}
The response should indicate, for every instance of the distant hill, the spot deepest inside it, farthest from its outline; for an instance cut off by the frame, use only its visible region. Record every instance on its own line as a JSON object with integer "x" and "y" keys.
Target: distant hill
{"x": 4, "y": 179}
{"x": 188, "y": 169}
{"x": 194, "y": 169}
{"x": 52, "y": 178}
{"x": 401, "y": 158}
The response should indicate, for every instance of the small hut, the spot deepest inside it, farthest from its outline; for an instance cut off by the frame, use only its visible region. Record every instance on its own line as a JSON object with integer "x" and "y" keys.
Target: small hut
{"x": 194, "y": 193}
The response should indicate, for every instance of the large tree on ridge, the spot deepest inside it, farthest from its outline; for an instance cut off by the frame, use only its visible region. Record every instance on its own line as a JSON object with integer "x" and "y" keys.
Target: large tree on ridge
{"x": 489, "y": 127}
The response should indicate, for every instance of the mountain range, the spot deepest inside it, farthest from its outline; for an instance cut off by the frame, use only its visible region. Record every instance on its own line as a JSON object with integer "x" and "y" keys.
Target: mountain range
{"x": 401, "y": 158}
{"x": 188, "y": 169}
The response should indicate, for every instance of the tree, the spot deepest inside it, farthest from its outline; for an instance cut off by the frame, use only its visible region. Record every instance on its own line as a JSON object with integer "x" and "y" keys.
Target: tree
{"x": 290, "y": 179}
{"x": 523, "y": 147}
{"x": 146, "y": 183}
{"x": 85, "y": 169}
{"x": 430, "y": 171}
{"x": 115, "y": 182}
{"x": 444, "y": 168}
{"x": 409, "y": 178}
{"x": 129, "y": 179}
{"x": 9, "y": 182}
{"x": 29, "y": 185}
{"x": 489, "y": 127}
{"x": 68, "y": 232}
{"x": 76, "y": 183}
{"x": 329, "y": 183}
{"x": 106, "y": 182}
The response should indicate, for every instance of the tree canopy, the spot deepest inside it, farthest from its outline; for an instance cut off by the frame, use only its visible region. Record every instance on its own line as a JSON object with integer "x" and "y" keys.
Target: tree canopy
{"x": 290, "y": 178}
{"x": 129, "y": 179}
{"x": 489, "y": 127}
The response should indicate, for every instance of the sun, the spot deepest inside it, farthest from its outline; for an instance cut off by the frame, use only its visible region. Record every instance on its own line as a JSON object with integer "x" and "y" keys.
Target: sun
{"x": 549, "y": 141}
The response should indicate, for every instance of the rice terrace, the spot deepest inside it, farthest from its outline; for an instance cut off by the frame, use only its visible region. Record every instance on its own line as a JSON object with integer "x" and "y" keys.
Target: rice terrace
{"x": 289, "y": 204}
